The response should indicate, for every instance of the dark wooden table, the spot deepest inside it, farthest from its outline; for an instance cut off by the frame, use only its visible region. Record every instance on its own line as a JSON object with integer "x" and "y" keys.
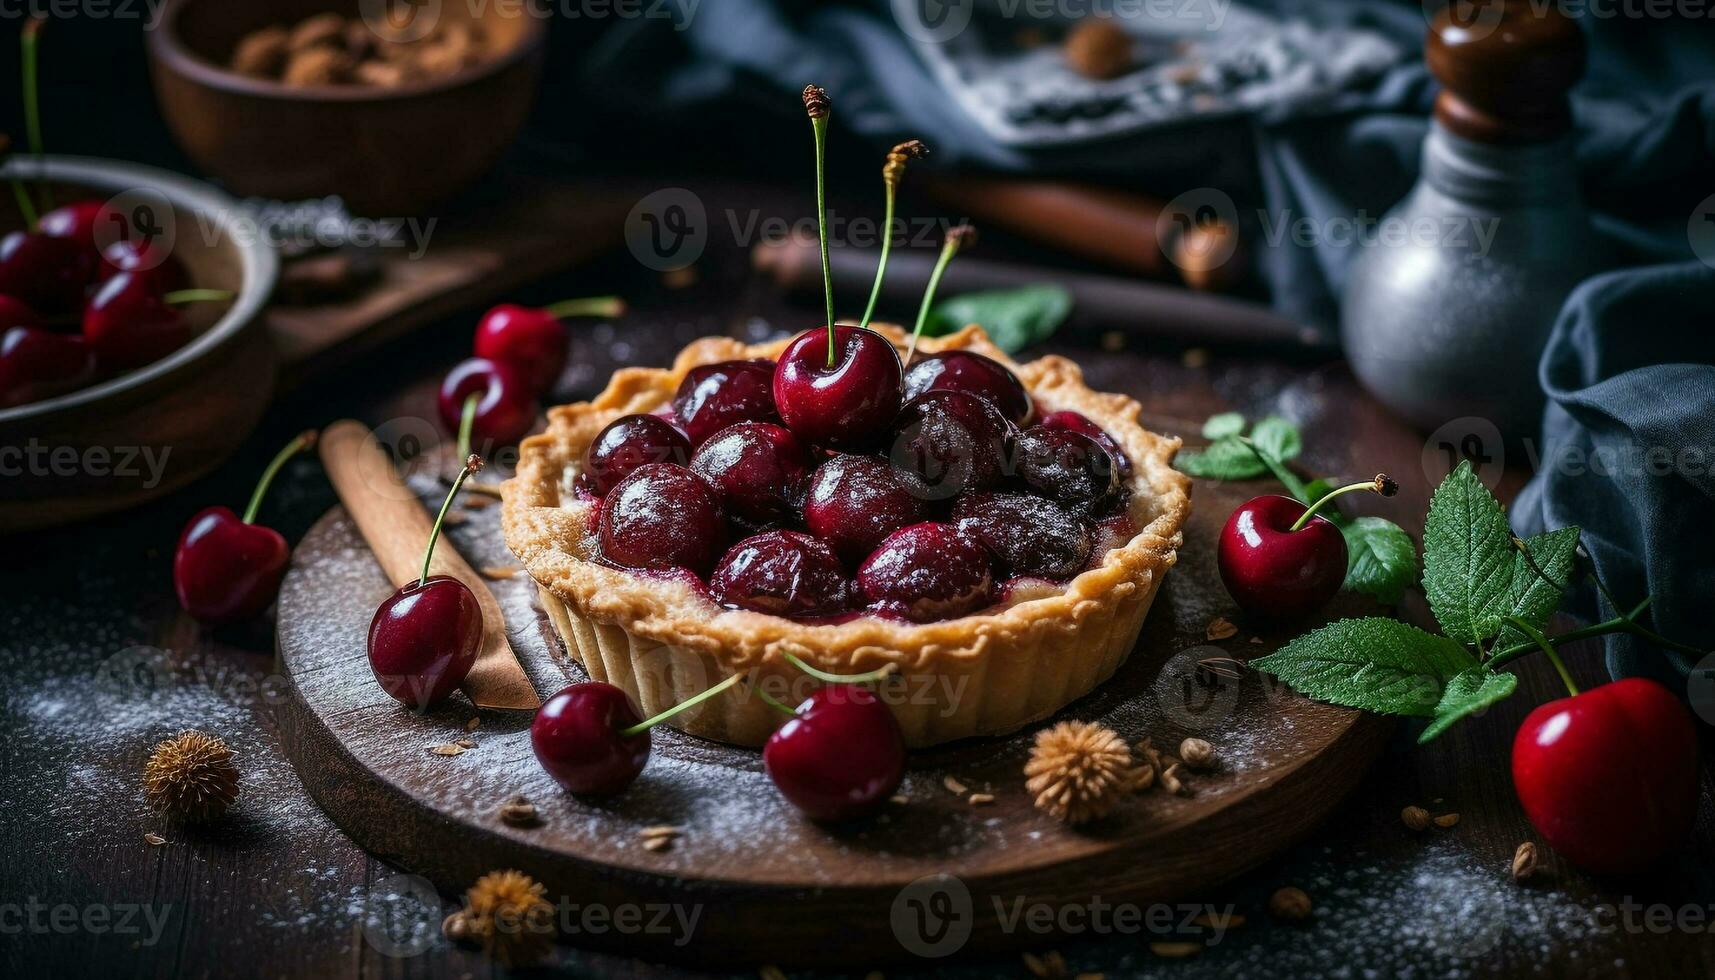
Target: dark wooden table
{"x": 99, "y": 665}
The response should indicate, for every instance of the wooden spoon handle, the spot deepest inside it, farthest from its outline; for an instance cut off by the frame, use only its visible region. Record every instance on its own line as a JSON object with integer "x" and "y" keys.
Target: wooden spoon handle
{"x": 394, "y": 523}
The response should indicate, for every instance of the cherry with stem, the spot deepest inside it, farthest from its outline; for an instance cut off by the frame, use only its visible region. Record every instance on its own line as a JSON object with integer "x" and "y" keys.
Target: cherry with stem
{"x": 1280, "y": 558}
{"x": 590, "y": 739}
{"x": 1381, "y": 484}
{"x": 891, "y": 173}
{"x": 818, "y": 105}
{"x": 958, "y": 237}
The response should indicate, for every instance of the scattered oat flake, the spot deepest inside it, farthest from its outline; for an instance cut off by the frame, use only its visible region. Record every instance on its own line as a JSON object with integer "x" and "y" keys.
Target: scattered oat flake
{"x": 1176, "y": 950}
{"x": 500, "y": 572}
{"x": 1446, "y": 820}
{"x": 465, "y": 743}
{"x": 470, "y": 726}
{"x": 954, "y": 786}
{"x": 1220, "y": 628}
{"x": 662, "y": 830}
{"x": 657, "y": 843}
{"x": 451, "y": 748}
{"x": 981, "y": 799}
{"x": 899, "y": 798}
{"x": 154, "y": 839}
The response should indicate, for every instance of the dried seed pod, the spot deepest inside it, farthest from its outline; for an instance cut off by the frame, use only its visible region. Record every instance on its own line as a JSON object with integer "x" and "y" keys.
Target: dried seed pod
{"x": 816, "y": 102}
{"x": 322, "y": 30}
{"x": 1078, "y": 771}
{"x": 317, "y": 66}
{"x": 894, "y": 168}
{"x": 1290, "y": 904}
{"x": 1197, "y": 754}
{"x": 506, "y": 912}
{"x": 1415, "y": 817}
{"x": 191, "y": 776}
{"x": 262, "y": 54}
{"x": 1099, "y": 48}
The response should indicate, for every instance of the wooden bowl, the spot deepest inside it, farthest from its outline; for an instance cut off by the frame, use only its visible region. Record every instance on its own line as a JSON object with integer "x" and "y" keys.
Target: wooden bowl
{"x": 154, "y": 429}
{"x": 389, "y": 152}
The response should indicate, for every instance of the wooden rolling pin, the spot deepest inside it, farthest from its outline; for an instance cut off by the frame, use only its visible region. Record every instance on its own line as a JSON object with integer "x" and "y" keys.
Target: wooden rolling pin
{"x": 396, "y": 526}
{"x": 1116, "y": 228}
{"x": 1139, "y": 309}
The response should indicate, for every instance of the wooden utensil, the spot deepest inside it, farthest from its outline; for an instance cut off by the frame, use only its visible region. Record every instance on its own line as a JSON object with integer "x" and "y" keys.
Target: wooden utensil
{"x": 396, "y": 527}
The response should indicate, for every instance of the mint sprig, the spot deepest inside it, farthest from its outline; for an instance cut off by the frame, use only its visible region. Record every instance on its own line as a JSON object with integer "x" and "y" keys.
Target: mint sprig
{"x": 1380, "y": 558}
{"x": 1374, "y": 663}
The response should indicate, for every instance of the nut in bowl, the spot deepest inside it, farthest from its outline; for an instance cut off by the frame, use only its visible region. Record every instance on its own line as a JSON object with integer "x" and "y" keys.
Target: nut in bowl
{"x": 981, "y": 640}
{"x": 304, "y": 98}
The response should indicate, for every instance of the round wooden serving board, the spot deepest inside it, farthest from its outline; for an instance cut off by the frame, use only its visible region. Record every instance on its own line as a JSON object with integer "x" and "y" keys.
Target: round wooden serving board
{"x": 765, "y": 884}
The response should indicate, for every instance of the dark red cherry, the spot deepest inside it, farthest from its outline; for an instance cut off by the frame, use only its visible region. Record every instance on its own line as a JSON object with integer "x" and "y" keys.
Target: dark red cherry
{"x": 1067, "y": 467}
{"x": 759, "y": 469}
{"x": 129, "y": 324}
{"x": 786, "y": 573}
{"x": 926, "y": 572}
{"x": 75, "y": 222}
{"x": 1077, "y": 422}
{"x": 1029, "y": 535}
{"x": 424, "y": 639}
{"x": 663, "y": 516}
{"x": 506, "y": 402}
{"x": 227, "y": 571}
{"x": 840, "y": 757}
{"x": 17, "y": 313}
{"x": 1273, "y": 571}
{"x": 714, "y": 396}
{"x": 46, "y": 273}
{"x": 851, "y": 403}
{"x": 37, "y": 364}
{"x": 578, "y": 735}
{"x": 953, "y": 442}
{"x": 149, "y": 261}
{"x": 973, "y": 374}
{"x": 532, "y": 340}
{"x": 631, "y": 441}
{"x": 855, "y": 502}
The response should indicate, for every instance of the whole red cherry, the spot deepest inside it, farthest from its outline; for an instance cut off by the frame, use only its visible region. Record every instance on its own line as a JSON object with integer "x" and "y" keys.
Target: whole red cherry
{"x": 1273, "y": 571}
{"x": 227, "y": 569}
{"x": 840, "y": 757}
{"x": 847, "y": 400}
{"x": 579, "y": 736}
{"x": 75, "y": 221}
{"x": 505, "y": 400}
{"x": 46, "y": 273}
{"x": 149, "y": 261}
{"x": 1609, "y": 777}
{"x": 129, "y": 323}
{"x": 425, "y": 636}
{"x": 17, "y": 313}
{"x": 37, "y": 364}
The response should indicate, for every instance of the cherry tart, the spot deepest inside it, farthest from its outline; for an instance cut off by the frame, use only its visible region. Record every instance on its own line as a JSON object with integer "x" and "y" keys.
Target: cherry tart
{"x": 995, "y": 531}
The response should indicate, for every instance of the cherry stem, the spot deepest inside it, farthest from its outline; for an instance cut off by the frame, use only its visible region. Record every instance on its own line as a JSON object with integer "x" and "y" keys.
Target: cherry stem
{"x": 467, "y": 420}
{"x": 881, "y": 264}
{"x": 471, "y": 465}
{"x": 1381, "y": 484}
{"x": 304, "y": 440}
{"x": 686, "y": 704}
{"x": 831, "y": 678}
{"x": 32, "y": 103}
{"x": 773, "y": 702}
{"x": 26, "y": 207}
{"x": 819, "y": 125}
{"x": 948, "y": 250}
{"x": 602, "y": 306}
{"x": 1547, "y": 648}
{"x": 178, "y": 296}
{"x": 1625, "y": 622}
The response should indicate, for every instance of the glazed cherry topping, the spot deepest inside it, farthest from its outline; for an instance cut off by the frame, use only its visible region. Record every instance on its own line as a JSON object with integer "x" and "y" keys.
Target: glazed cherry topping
{"x": 848, "y": 404}
{"x": 926, "y": 572}
{"x": 1077, "y": 422}
{"x": 37, "y": 364}
{"x": 840, "y": 757}
{"x": 506, "y": 402}
{"x": 129, "y": 324}
{"x": 44, "y": 272}
{"x": 1029, "y": 535}
{"x": 163, "y": 270}
{"x": 953, "y": 442}
{"x": 759, "y": 469}
{"x": 971, "y": 373}
{"x": 578, "y": 736}
{"x": 631, "y": 441}
{"x": 1067, "y": 467}
{"x": 714, "y": 396}
{"x": 786, "y": 573}
{"x": 854, "y": 502}
{"x": 660, "y": 517}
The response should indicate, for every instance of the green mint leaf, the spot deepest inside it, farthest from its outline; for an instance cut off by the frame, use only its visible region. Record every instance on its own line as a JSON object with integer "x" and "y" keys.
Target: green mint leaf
{"x": 1224, "y": 424}
{"x": 1013, "y": 318}
{"x": 1380, "y": 558}
{"x": 1224, "y": 459}
{"x": 1278, "y": 438}
{"x": 1531, "y": 597}
{"x": 1467, "y": 558}
{"x": 1374, "y": 663}
{"x": 1295, "y": 486}
{"x": 1470, "y": 692}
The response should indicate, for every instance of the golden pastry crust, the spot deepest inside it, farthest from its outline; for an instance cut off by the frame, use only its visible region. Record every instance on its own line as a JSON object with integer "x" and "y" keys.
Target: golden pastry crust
{"x": 549, "y": 530}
